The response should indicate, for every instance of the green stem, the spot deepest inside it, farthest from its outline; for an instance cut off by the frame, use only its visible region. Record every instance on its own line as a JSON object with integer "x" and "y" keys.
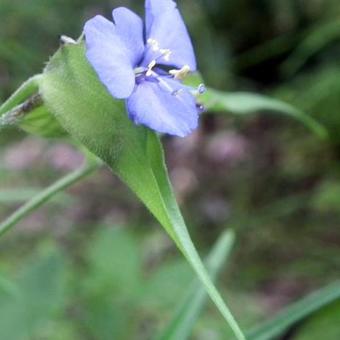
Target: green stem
{"x": 46, "y": 194}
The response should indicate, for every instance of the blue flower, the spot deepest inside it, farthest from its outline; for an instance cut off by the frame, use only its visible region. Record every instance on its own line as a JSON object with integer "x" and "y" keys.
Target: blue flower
{"x": 146, "y": 65}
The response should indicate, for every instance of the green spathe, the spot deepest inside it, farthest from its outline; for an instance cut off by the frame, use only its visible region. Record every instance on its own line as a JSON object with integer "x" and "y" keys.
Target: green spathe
{"x": 86, "y": 110}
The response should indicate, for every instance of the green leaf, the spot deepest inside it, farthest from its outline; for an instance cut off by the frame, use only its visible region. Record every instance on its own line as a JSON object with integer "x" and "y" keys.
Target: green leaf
{"x": 85, "y": 109}
{"x": 296, "y": 312}
{"x": 38, "y": 121}
{"x": 322, "y": 325}
{"x": 243, "y": 103}
{"x": 188, "y": 312}
{"x": 114, "y": 273}
{"x": 108, "y": 251}
{"x": 37, "y": 296}
{"x": 8, "y": 288}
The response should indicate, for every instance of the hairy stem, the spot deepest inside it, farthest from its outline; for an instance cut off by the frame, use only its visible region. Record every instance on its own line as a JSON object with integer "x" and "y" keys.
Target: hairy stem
{"x": 35, "y": 202}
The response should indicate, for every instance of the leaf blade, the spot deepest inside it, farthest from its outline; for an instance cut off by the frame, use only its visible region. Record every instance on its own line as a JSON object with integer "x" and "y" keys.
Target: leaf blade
{"x": 296, "y": 312}
{"x": 244, "y": 103}
{"x": 183, "y": 321}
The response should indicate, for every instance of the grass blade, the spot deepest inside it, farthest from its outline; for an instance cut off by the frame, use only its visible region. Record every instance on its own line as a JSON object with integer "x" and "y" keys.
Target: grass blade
{"x": 188, "y": 312}
{"x": 296, "y": 312}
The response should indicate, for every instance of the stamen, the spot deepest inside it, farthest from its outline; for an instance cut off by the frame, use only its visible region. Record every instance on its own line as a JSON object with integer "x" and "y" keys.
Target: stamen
{"x": 166, "y": 53}
{"x": 164, "y": 85}
{"x": 199, "y": 90}
{"x": 154, "y": 44}
{"x": 150, "y": 67}
{"x": 180, "y": 74}
{"x": 139, "y": 70}
{"x": 177, "y": 92}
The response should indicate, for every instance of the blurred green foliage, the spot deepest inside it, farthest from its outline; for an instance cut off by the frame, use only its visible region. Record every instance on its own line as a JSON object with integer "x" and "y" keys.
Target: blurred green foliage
{"x": 327, "y": 319}
{"x": 273, "y": 181}
{"x": 106, "y": 293}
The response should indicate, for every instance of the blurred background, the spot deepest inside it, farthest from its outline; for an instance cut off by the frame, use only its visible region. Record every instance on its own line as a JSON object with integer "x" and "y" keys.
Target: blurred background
{"x": 93, "y": 264}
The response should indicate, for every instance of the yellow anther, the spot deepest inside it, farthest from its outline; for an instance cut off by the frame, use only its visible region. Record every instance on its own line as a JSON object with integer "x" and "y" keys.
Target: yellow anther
{"x": 182, "y": 73}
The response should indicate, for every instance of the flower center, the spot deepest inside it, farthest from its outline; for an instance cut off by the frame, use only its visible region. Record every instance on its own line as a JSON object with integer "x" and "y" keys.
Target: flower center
{"x": 160, "y": 75}
{"x": 164, "y": 54}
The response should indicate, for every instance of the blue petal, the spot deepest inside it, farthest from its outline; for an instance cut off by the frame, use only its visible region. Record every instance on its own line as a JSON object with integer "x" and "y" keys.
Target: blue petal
{"x": 155, "y": 8}
{"x": 166, "y": 107}
{"x": 129, "y": 27}
{"x": 165, "y": 25}
{"x": 109, "y": 57}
